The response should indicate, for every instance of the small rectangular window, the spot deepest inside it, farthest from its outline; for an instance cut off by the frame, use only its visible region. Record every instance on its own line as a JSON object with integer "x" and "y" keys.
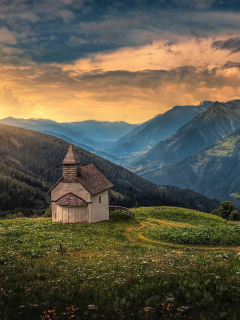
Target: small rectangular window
{"x": 100, "y": 199}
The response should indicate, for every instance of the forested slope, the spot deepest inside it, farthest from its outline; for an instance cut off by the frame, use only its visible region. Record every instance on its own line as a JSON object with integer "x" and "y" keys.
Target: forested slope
{"x": 31, "y": 162}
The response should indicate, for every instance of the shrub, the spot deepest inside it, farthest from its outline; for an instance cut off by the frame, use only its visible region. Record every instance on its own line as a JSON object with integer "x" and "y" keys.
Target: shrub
{"x": 48, "y": 212}
{"x": 227, "y": 211}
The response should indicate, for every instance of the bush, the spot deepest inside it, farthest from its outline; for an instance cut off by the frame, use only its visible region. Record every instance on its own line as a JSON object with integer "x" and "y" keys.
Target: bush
{"x": 48, "y": 212}
{"x": 227, "y": 211}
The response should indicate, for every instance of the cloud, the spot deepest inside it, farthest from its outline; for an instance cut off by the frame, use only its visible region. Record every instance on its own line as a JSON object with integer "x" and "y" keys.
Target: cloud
{"x": 7, "y": 36}
{"x": 76, "y": 41}
{"x": 232, "y": 44}
{"x": 7, "y": 97}
{"x": 29, "y": 16}
{"x": 231, "y": 64}
{"x": 120, "y": 94}
{"x": 66, "y": 15}
{"x": 196, "y": 4}
{"x": 118, "y": 59}
{"x": 9, "y": 103}
{"x": 11, "y": 51}
{"x": 107, "y": 27}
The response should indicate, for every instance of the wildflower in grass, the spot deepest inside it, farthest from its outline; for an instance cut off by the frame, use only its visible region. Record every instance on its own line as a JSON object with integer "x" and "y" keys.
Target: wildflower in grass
{"x": 170, "y": 299}
{"x": 92, "y": 307}
{"x": 183, "y": 309}
{"x": 147, "y": 309}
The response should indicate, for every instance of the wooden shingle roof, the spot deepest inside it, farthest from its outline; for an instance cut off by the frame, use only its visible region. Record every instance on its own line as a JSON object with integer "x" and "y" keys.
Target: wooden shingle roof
{"x": 93, "y": 180}
{"x": 71, "y": 157}
{"x": 71, "y": 200}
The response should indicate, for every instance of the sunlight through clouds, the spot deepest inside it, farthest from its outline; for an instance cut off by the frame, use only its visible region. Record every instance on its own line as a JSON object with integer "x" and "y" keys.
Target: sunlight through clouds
{"x": 115, "y": 61}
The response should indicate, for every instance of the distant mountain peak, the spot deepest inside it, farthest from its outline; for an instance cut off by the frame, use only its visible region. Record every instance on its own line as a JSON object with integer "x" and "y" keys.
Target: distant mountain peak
{"x": 158, "y": 128}
{"x": 208, "y": 127}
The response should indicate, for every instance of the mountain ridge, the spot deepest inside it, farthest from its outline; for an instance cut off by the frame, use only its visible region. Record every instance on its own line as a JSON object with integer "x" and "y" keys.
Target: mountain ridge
{"x": 159, "y": 128}
{"x": 209, "y": 126}
{"x": 213, "y": 171}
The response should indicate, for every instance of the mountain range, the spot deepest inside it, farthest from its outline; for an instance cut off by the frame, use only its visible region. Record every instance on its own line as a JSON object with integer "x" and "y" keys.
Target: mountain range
{"x": 31, "y": 162}
{"x": 201, "y": 155}
{"x": 88, "y": 132}
{"x": 119, "y": 142}
{"x": 93, "y": 136}
{"x": 213, "y": 171}
{"x": 102, "y": 131}
{"x": 208, "y": 127}
{"x": 150, "y": 133}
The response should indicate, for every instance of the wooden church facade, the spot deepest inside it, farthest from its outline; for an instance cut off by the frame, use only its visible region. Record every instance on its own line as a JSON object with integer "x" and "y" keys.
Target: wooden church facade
{"x": 81, "y": 194}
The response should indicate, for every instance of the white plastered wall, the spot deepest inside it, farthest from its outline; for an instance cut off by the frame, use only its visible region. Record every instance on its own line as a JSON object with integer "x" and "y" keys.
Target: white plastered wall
{"x": 100, "y": 211}
{"x": 76, "y": 188}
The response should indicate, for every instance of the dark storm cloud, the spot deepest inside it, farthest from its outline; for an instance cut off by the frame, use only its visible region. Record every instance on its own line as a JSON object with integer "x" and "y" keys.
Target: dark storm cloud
{"x": 66, "y": 30}
{"x": 231, "y": 64}
{"x": 232, "y": 44}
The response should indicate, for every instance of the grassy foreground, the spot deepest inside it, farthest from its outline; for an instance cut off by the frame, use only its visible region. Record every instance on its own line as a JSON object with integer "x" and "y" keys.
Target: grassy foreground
{"x": 121, "y": 269}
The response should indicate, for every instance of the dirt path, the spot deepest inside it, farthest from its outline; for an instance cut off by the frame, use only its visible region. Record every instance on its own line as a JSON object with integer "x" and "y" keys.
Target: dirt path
{"x": 135, "y": 234}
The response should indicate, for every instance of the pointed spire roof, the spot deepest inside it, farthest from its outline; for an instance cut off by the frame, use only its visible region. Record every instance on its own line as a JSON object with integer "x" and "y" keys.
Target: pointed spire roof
{"x": 71, "y": 157}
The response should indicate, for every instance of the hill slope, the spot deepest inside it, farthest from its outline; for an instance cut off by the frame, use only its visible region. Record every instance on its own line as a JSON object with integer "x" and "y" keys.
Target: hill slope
{"x": 210, "y": 126}
{"x": 32, "y": 161}
{"x": 84, "y": 132}
{"x": 50, "y": 127}
{"x": 81, "y": 133}
{"x": 167, "y": 264}
{"x": 160, "y": 127}
{"x": 213, "y": 171}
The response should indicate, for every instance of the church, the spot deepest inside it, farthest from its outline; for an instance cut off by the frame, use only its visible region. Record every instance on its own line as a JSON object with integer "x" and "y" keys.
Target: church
{"x": 81, "y": 194}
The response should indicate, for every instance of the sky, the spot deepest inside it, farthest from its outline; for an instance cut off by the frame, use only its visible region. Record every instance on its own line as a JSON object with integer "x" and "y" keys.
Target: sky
{"x": 123, "y": 60}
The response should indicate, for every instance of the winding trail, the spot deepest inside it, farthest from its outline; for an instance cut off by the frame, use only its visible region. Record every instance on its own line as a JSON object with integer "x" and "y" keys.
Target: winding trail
{"x": 136, "y": 235}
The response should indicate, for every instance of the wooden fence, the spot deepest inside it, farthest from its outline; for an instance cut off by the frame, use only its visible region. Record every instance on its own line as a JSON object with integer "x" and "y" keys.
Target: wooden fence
{"x": 127, "y": 211}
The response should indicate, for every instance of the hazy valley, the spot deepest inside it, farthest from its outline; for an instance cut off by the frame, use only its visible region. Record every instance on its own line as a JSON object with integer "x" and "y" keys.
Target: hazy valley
{"x": 164, "y": 149}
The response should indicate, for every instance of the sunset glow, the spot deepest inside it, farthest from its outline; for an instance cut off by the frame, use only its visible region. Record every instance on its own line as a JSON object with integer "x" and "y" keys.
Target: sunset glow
{"x": 77, "y": 60}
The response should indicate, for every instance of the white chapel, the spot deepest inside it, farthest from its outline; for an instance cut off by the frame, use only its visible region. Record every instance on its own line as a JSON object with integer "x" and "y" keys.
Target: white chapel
{"x": 81, "y": 194}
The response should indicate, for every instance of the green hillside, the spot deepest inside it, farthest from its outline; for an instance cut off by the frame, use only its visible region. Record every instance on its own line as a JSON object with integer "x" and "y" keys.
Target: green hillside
{"x": 119, "y": 269}
{"x": 31, "y": 162}
{"x": 224, "y": 148}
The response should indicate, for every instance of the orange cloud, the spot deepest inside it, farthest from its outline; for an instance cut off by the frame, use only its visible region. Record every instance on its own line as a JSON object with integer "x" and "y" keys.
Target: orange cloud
{"x": 131, "y": 84}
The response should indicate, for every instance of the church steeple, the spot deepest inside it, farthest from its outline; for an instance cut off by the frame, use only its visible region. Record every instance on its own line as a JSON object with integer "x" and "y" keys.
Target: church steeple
{"x": 71, "y": 157}
{"x": 71, "y": 165}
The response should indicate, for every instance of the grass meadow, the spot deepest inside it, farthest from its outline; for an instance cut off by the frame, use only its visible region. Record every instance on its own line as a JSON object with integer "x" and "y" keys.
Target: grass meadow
{"x": 170, "y": 263}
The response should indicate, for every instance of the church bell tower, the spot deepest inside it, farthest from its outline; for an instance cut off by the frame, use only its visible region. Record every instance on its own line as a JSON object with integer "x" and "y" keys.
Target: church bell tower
{"x": 71, "y": 165}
